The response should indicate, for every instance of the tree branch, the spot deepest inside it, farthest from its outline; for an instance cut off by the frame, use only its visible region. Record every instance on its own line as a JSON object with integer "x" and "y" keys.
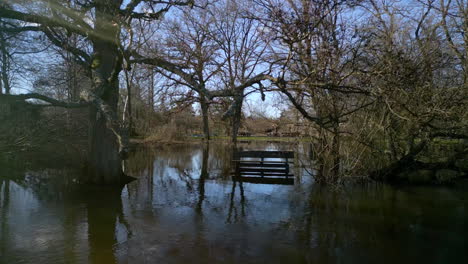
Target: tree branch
{"x": 51, "y": 101}
{"x": 45, "y": 21}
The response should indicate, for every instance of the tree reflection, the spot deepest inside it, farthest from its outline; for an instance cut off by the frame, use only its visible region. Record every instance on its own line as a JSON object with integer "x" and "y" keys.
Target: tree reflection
{"x": 4, "y": 205}
{"x": 104, "y": 210}
{"x": 232, "y": 213}
{"x": 203, "y": 176}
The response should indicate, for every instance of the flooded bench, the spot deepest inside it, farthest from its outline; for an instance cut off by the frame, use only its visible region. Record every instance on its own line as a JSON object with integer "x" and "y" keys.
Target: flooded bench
{"x": 267, "y": 167}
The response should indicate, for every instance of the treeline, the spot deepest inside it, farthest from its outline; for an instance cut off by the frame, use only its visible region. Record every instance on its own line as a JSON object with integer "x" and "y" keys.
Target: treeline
{"x": 382, "y": 85}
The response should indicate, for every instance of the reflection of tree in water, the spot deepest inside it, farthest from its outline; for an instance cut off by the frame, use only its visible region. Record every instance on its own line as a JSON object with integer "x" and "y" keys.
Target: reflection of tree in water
{"x": 104, "y": 210}
{"x": 210, "y": 161}
{"x": 329, "y": 226}
{"x": 344, "y": 223}
{"x": 181, "y": 158}
{"x": 204, "y": 174}
{"x": 220, "y": 161}
{"x": 4, "y": 208}
{"x": 175, "y": 156}
{"x": 46, "y": 185}
{"x": 175, "y": 164}
{"x": 233, "y": 211}
{"x": 306, "y": 224}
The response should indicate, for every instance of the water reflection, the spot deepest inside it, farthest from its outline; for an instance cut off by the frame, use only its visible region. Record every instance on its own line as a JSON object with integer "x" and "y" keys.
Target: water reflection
{"x": 232, "y": 208}
{"x": 184, "y": 208}
{"x": 104, "y": 212}
{"x": 204, "y": 174}
{"x": 4, "y": 204}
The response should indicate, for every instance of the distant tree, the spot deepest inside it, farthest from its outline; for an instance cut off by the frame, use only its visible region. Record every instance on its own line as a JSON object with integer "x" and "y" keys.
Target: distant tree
{"x": 218, "y": 47}
{"x": 243, "y": 49}
{"x": 189, "y": 43}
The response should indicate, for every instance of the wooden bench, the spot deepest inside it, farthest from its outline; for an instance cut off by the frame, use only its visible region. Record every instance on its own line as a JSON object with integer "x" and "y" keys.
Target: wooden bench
{"x": 258, "y": 167}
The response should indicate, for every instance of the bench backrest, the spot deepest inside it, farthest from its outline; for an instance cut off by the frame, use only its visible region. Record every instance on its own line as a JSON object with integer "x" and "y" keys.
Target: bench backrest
{"x": 261, "y": 170}
{"x": 263, "y": 154}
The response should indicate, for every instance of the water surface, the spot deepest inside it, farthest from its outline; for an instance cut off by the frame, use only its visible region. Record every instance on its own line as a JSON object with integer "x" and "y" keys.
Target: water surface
{"x": 184, "y": 208}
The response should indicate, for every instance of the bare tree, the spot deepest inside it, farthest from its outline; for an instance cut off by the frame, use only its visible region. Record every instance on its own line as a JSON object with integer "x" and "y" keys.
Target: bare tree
{"x": 413, "y": 70}
{"x": 189, "y": 43}
{"x": 99, "y": 23}
{"x": 242, "y": 51}
{"x": 223, "y": 45}
{"x": 314, "y": 53}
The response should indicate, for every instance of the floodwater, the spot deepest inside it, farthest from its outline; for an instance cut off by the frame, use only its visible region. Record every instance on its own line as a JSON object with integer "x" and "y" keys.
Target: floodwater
{"x": 184, "y": 208}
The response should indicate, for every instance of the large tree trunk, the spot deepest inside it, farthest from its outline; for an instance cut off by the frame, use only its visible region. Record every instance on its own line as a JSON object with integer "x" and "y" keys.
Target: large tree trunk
{"x": 205, "y": 114}
{"x": 104, "y": 160}
{"x": 105, "y": 163}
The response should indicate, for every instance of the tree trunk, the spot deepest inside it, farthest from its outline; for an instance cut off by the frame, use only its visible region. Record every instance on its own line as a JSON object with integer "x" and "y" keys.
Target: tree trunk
{"x": 129, "y": 109}
{"x": 319, "y": 148}
{"x": 205, "y": 114}
{"x": 336, "y": 152}
{"x": 105, "y": 163}
{"x": 6, "y": 82}
{"x": 151, "y": 91}
{"x": 5, "y": 65}
{"x": 236, "y": 119}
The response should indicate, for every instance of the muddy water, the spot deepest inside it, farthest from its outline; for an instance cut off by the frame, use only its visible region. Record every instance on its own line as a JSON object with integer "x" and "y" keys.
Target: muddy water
{"x": 184, "y": 208}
